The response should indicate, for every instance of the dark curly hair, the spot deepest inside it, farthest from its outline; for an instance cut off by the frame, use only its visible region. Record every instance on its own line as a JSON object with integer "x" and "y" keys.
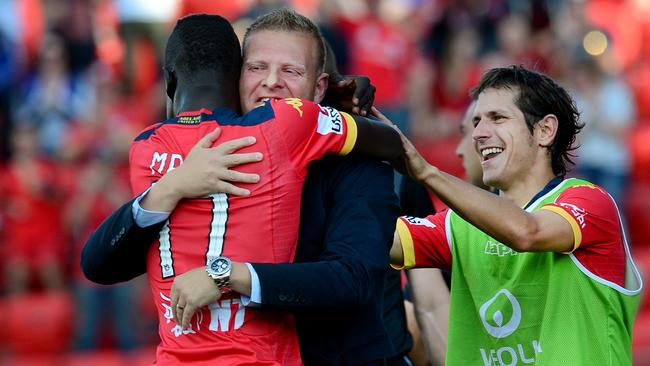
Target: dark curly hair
{"x": 538, "y": 96}
{"x": 202, "y": 42}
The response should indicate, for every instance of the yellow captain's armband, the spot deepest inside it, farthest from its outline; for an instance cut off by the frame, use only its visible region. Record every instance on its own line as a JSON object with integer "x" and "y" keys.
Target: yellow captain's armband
{"x": 407, "y": 246}
{"x": 577, "y": 233}
{"x": 351, "y": 137}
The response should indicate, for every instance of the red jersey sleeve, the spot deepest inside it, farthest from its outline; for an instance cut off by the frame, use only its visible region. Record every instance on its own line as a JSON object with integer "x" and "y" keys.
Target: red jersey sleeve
{"x": 146, "y": 162}
{"x": 424, "y": 241}
{"x": 311, "y": 131}
{"x": 598, "y": 239}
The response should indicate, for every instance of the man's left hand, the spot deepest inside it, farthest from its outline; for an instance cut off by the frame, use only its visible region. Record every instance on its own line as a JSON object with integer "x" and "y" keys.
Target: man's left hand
{"x": 190, "y": 292}
{"x": 350, "y": 93}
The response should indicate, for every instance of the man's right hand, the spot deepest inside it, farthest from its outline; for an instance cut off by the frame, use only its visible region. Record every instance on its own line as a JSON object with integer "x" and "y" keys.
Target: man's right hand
{"x": 204, "y": 171}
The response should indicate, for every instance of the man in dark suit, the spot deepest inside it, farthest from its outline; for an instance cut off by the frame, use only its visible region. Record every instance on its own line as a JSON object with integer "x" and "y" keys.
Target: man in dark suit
{"x": 336, "y": 285}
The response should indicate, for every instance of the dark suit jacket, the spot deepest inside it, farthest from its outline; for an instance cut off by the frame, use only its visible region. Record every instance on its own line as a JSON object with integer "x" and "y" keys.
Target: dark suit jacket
{"x": 335, "y": 288}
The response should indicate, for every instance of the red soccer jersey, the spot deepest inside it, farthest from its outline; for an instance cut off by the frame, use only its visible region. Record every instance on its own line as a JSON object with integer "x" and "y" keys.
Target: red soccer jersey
{"x": 588, "y": 208}
{"x": 260, "y": 228}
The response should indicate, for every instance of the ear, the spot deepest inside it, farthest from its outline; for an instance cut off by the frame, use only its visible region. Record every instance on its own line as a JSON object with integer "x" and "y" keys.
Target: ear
{"x": 321, "y": 87}
{"x": 546, "y": 129}
{"x": 170, "y": 82}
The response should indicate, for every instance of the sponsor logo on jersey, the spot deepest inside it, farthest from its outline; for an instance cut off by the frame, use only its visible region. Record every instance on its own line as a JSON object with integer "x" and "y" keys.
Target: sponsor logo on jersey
{"x": 419, "y": 221}
{"x": 493, "y": 317}
{"x": 577, "y": 213}
{"x": 494, "y": 312}
{"x": 520, "y": 354}
{"x": 189, "y": 120}
{"x": 498, "y": 249}
{"x": 295, "y": 103}
{"x": 329, "y": 121}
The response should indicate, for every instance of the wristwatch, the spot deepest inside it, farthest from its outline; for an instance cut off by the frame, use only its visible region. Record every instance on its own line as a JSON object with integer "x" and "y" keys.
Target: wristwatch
{"x": 219, "y": 270}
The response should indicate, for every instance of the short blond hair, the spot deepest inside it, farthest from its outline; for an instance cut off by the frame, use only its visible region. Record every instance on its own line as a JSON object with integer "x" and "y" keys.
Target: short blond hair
{"x": 288, "y": 20}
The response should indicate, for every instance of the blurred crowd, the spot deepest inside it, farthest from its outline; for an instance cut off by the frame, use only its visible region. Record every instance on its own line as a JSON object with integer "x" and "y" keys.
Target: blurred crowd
{"x": 80, "y": 78}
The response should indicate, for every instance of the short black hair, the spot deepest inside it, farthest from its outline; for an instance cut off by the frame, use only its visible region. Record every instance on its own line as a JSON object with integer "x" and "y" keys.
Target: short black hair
{"x": 203, "y": 42}
{"x": 538, "y": 96}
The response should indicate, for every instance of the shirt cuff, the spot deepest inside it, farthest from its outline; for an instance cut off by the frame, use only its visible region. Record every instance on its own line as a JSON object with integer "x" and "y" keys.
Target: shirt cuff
{"x": 144, "y": 218}
{"x": 256, "y": 288}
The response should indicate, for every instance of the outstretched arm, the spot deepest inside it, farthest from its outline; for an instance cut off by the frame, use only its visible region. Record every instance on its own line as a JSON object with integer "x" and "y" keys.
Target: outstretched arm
{"x": 379, "y": 140}
{"x": 497, "y": 216}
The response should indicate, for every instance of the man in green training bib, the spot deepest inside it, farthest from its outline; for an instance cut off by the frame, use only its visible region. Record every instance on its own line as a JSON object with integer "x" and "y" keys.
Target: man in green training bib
{"x": 541, "y": 273}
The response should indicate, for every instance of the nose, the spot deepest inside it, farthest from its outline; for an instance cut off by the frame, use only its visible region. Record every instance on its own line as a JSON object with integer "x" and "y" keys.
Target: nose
{"x": 481, "y": 131}
{"x": 272, "y": 80}
{"x": 461, "y": 146}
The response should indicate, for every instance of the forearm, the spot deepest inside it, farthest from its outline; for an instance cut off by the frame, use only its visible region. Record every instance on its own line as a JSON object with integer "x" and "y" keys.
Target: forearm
{"x": 116, "y": 251}
{"x": 431, "y": 302}
{"x": 240, "y": 278}
{"x": 162, "y": 196}
{"x": 497, "y": 216}
{"x": 333, "y": 284}
{"x": 379, "y": 140}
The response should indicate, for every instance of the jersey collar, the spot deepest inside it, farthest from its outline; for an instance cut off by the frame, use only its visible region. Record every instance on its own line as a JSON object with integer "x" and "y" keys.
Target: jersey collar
{"x": 549, "y": 186}
{"x": 194, "y": 113}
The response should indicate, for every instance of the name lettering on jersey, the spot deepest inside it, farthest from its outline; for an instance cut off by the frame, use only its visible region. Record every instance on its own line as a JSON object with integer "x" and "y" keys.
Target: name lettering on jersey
{"x": 520, "y": 354}
{"x": 159, "y": 162}
{"x": 329, "y": 121}
{"x": 295, "y": 103}
{"x": 419, "y": 221}
{"x": 224, "y": 312}
{"x": 177, "y": 330}
{"x": 577, "y": 213}
{"x": 189, "y": 120}
{"x": 498, "y": 249}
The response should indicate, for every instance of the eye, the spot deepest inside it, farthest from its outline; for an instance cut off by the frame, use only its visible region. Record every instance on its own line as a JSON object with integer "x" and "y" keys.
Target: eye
{"x": 292, "y": 71}
{"x": 254, "y": 67}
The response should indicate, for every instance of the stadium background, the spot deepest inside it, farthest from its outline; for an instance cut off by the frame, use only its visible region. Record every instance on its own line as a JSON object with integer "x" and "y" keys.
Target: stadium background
{"x": 79, "y": 78}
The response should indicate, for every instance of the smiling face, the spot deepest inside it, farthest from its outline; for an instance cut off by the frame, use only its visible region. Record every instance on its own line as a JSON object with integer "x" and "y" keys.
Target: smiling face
{"x": 508, "y": 151}
{"x": 280, "y": 64}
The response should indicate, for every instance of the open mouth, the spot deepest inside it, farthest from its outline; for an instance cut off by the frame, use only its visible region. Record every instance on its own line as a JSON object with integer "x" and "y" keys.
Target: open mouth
{"x": 490, "y": 152}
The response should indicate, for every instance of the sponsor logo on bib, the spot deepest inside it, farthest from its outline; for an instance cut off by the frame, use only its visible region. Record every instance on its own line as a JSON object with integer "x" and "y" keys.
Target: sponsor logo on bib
{"x": 496, "y": 325}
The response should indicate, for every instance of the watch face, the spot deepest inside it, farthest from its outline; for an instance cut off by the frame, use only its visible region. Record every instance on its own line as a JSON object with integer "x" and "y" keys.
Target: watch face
{"x": 220, "y": 265}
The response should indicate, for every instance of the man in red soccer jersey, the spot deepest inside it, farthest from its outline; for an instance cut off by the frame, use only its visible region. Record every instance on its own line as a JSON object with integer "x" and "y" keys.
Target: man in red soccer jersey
{"x": 340, "y": 197}
{"x": 291, "y": 132}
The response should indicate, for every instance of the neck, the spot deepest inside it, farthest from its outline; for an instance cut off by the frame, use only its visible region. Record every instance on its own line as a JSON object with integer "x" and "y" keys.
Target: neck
{"x": 207, "y": 96}
{"x": 523, "y": 190}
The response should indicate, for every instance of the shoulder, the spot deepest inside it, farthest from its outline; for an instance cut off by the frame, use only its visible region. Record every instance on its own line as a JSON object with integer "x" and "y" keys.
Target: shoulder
{"x": 299, "y": 109}
{"x": 586, "y": 195}
{"x": 147, "y": 132}
{"x": 588, "y": 208}
{"x": 256, "y": 116}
